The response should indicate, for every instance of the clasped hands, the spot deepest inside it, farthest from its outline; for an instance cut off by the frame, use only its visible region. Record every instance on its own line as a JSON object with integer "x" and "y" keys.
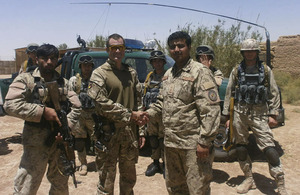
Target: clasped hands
{"x": 140, "y": 117}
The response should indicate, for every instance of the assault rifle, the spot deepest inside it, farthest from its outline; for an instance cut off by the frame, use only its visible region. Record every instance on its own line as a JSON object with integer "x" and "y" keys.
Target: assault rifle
{"x": 66, "y": 145}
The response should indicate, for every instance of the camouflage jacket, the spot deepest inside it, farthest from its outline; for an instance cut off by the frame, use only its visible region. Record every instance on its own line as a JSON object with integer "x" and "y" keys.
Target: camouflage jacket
{"x": 270, "y": 107}
{"x": 115, "y": 92}
{"x": 189, "y": 104}
{"x": 18, "y": 101}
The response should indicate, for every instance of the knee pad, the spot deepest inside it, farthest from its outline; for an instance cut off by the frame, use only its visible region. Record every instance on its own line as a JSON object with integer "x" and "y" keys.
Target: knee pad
{"x": 272, "y": 156}
{"x": 153, "y": 142}
{"x": 161, "y": 143}
{"x": 79, "y": 144}
{"x": 242, "y": 152}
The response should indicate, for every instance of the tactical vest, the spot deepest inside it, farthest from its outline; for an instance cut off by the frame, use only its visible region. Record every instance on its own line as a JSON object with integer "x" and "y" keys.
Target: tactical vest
{"x": 151, "y": 91}
{"x": 251, "y": 88}
{"x": 81, "y": 89}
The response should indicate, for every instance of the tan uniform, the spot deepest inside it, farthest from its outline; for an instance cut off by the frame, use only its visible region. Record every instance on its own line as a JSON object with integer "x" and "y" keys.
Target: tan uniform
{"x": 218, "y": 75}
{"x": 155, "y": 127}
{"x": 21, "y": 101}
{"x": 115, "y": 93}
{"x": 189, "y": 104}
{"x": 254, "y": 116}
{"x": 85, "y": 126}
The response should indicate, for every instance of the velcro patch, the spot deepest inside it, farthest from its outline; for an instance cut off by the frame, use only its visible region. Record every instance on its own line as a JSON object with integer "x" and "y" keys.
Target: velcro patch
{"x": 207, "y": 85}
{"x": 188, "y": 79}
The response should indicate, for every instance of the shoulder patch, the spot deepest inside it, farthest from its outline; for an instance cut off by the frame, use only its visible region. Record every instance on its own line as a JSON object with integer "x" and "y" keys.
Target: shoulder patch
{"x": 207, "y": 85}
{"x": 212, "y": 95}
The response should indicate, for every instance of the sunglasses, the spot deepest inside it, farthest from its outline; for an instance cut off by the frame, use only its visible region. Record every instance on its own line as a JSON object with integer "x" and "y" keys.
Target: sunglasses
{"x": 156, "y": 54}
{"x": 32, "y": 48}
{"x": 85, "y": 59}
{"x": 202, "y": 50}
{"x": 116, "y": 47}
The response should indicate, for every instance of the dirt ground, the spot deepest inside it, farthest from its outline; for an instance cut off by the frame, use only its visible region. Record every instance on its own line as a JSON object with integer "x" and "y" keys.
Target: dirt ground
{"x": 227, "y": 175}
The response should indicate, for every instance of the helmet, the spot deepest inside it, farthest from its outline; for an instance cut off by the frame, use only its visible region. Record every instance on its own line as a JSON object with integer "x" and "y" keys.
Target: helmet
{"x": 32, "y": 47}
{"x": 85, "y": 59}
{"x": 250, "y": 45}
{"x": 156, "y": 54}
{"x": 205, "y": 50}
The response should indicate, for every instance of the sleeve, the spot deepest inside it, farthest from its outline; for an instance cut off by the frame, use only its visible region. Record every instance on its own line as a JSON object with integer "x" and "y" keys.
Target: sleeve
{"x": 207, "y": 102}
{"x": 274, "y": 96}
{"x": 74, "y": 114}
{"x": 229, "y": 90}
{"x": 218, "y": 75}
{"x": 105, "y": 106}
{"x": 17, "y": 101}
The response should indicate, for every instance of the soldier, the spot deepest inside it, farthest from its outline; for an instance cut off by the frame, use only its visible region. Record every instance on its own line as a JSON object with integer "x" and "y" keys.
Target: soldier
{"x": 205, "y": 55}
{"x": 31, "y": 63}
{"x": 84, "y": 132}
{"x": 155, "y": 127}
{"x": 28, "y": 99}
{"x": 115, "y": 89}
{"x": 189, "y": 106}
{"x": 256, "y": 100}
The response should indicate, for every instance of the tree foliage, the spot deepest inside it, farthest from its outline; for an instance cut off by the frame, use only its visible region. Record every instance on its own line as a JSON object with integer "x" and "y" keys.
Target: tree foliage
{"x": 225, "y": 42}
{"x": 99, "y": 41}
{"x": 62, "y": 46}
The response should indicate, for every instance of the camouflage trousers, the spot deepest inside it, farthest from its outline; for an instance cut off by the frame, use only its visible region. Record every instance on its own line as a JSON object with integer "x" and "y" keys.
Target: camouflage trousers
{"x": 186, "y": 174}
{"x": 122, "y": 150}
{"x": 261, "y": 131}
{"x": 36, "y": 156}
{"x": 155, "y": 128}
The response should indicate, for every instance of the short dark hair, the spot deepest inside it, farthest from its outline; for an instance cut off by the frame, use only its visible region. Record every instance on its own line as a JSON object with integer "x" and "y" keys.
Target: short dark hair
{"x": 47, "y": 50}
{"x": 180, "y": 35}
{"x": 114, "y": 36}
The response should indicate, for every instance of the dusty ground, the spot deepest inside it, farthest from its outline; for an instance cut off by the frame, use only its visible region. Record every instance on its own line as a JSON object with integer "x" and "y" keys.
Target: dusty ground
{"x": 226, "y": 175}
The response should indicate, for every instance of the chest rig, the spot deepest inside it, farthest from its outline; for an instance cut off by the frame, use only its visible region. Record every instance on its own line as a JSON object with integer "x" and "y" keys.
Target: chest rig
{"x": 81, "y": 90}
{"x": 151, "y": 91}
{"x": 251, "y": 88}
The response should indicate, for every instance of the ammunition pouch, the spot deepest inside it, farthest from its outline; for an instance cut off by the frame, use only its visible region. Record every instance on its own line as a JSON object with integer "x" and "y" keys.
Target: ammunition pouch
{"x": 86, "y": 101}
{"x": 150, "y": 97}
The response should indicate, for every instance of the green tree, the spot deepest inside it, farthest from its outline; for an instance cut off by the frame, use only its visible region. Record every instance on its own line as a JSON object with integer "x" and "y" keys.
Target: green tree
{"x": 225, "y": 42}
{"x": 99, "y": 41}
{"x": 62, "y": 46}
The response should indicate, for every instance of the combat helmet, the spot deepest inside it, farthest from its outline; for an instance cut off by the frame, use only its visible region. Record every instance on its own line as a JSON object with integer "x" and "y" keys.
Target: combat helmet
{"x": 32, "y": 47}
{"x": 85, "y": 59}
{"x": 250, "y": 45}
{"x": 205, "y": 50}
{"x": 156, "y": 54}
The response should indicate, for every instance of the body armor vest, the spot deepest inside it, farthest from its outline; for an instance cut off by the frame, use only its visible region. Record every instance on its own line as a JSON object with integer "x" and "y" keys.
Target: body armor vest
{"x": 251, "y": 88}
{"x": 151, "y": 93}
{"x": 86, "y": 101}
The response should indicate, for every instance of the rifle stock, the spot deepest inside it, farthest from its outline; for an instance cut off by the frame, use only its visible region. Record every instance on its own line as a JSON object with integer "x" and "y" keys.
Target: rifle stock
{"x": 67, "y": 144}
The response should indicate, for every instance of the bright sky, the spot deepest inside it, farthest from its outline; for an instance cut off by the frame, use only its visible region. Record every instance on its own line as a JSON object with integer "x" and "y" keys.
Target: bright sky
{"x": 59, "y": 21}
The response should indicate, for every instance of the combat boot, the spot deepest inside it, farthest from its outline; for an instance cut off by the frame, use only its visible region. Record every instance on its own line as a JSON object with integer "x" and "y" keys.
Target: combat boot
{"x": 153, "y": 168}
{"x": 280, "y": 185}
{"x": 248, "y": 183}
{"x": 83, "y": 170}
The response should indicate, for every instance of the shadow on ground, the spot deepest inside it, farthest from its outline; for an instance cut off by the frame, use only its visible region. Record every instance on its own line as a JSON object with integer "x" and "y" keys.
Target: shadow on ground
{"x": 16, "y": 139}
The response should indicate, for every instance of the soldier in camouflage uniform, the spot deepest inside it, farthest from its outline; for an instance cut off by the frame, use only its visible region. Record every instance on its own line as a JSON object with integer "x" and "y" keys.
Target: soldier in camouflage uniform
{"x": 115, "y": 89}
{"x": 28, "y": 99}
{"x": 84, "y": 131}
{"x": 155, "y": 127}
{"x": 256, "y": 101}
{"x": 189, "y": 106}
{"x": 205, "y": 55}
{"x": 30, "y": 63}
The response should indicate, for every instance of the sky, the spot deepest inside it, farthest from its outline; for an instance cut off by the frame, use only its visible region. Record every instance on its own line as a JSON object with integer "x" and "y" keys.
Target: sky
{"x": 61, "y": 21}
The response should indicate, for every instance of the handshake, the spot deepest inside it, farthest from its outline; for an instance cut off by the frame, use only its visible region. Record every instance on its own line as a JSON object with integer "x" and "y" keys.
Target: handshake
{"x": 140, "y": 117}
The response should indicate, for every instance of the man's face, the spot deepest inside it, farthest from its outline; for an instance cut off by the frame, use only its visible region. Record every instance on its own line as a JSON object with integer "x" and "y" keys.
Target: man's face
{"x": 116, "y": 50}
{"x": 179, "y": 51}
{"x": 32, "y": 55}
{"x": 250, "y": 55}
{"x": 158, "y": 64}
{"x": 47, "y": 64}
{"x": 86, "y": 70}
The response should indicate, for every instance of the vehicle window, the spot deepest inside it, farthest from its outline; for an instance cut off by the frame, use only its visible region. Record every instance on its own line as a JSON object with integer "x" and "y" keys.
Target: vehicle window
{"x": 99, "y": 61}
{"x": 141, "y": 65}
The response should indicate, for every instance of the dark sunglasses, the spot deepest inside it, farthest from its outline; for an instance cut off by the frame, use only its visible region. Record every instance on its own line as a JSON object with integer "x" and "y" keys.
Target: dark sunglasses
{"x": 85, "y": 59}
{"x": 32, "y": 48}
{"x": 202, "y": 50}
{"x": 156, "y": 54}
